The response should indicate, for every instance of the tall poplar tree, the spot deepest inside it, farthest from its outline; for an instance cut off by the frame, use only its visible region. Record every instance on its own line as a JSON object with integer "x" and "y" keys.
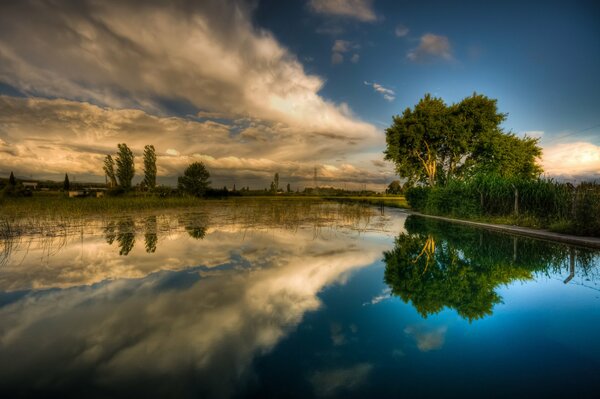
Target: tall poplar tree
{"x": 125, "y": 167}
{"x": 109, "y": 170}
{"x": 150, "y": 167}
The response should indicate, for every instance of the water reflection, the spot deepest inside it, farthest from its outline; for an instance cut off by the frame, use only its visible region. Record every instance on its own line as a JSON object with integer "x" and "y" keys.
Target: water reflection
{"x": 437, "y": 265}
{"x": 196, "y": 224}
{"x": 183, "y": 315}
{"x": 230, "y": 301}
{"x": 150, "y": 235}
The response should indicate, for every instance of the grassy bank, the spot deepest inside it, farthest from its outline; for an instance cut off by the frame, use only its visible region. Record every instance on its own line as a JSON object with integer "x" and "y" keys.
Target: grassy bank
{"x": 59, "y": 205}
{"x": 393, "y": 201}
{"x": 541, "y": 204}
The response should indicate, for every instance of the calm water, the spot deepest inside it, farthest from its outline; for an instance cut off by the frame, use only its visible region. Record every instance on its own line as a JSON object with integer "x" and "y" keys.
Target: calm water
{"x": 293, "y": 300}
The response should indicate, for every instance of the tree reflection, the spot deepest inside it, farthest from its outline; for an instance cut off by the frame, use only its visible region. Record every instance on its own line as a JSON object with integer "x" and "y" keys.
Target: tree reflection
{"x": 125, "y": 235}
{"x": 150, "y": 236}
{"x": 438, "y": 264}
{"x": 110, "y": 232}
{"x": 195, "y": 224}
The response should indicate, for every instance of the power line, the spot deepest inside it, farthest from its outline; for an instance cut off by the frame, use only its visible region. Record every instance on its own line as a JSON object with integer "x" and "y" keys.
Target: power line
{"x": 571, "y": 134}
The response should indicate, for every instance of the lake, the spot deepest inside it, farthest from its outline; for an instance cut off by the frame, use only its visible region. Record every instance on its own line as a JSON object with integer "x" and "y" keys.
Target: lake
{"x": 292, "y": 299}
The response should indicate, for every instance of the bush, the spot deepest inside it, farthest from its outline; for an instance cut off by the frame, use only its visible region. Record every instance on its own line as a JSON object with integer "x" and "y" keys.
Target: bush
{"x": 417, "y": 197}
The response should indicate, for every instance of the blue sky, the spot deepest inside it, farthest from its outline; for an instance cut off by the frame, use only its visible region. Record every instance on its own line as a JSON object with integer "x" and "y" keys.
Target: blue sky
{"x": 254, "y": 88}
{"x": 539, "y": 59}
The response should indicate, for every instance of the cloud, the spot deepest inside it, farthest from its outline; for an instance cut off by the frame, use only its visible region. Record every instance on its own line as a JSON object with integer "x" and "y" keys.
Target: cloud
{"x": 47, "y": 138}
{"x": 388, "y": 94}
{"x": 430, "y": 47}
{"x": 224, "y": 318}
{"x": 427, "y": 340}
{"x": 361, "y": 10}
{"x": 329, "y": 382}
{"x": 401, "y": 31}
{"x": 112, "y": 68}
{"x": 384, "y": 295}
{"x": 122, "y": 55}
{"x": 572, "y": 161}
{"x": 343, "y": 46}
{"x": 337, "y": 58}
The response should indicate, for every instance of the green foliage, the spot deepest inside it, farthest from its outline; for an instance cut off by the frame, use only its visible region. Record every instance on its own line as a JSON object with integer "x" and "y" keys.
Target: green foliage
{"x": 194, "y": 180}
{"x": 109, "y": 170}
{"x": 541, "y": 202}
{"x": 505, "y": 155}
{"x": 586, "y": 209}
{"x": 66, "y": 183}
{"x": 15, "y": 189}
{"x": 434, "y": 143}
{"x": 150, "y": 167}
{"x": 394, "y": 188}
{"x": 125, "y": 167}
{"x": 417, "y": 197}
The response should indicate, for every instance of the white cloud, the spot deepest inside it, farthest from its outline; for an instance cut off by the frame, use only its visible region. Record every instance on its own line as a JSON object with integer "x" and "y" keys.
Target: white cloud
{"x": 578, "y": 160}
{"x": 123, "y": 54}
{"x": 361, "y": 10}
{"x": 224, "y": 318}
{"x": 343, "y": 46}
{"x": 47, "y": 138}
{"x": 401, "y": 31}
{"x": 430, "y": 47}
{"x": 128, "y": 59}
{"x": 427, "y": 339}
{"x": 388, "y": 94}
{"x": 329, "y": 382}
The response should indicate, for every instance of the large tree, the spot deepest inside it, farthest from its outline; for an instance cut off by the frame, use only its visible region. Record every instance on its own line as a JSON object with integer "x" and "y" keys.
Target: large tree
{"x": 433, "y": 142}
{"x": 125, "y": 168}
{"x": 194, "y": 180}
{"x": 150, "y": 167}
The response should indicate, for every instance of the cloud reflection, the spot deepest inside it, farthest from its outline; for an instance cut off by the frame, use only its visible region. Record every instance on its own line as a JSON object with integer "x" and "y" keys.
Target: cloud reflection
{"x": 208, "y": 322}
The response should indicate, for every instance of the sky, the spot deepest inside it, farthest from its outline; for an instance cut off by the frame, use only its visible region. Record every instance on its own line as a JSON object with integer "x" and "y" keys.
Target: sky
{"x": 253, "y": 88}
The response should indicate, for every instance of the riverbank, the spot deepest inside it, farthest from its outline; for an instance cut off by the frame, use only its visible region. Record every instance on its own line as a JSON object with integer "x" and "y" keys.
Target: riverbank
{"x": 592, "y": 242}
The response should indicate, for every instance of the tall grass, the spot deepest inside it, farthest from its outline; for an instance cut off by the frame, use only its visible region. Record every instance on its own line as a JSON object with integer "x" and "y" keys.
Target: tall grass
{"x": 537, "y": 203}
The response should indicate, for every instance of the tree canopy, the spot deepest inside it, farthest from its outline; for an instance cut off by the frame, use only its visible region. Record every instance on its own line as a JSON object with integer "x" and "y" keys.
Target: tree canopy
{"x": 434, "y": 143}
{"x": 194, "y": 180}
{"x": 125, "y": 167}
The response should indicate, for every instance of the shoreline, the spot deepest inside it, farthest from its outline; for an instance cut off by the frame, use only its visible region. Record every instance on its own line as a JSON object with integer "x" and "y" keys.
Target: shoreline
{"x": 589, "y": 242}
